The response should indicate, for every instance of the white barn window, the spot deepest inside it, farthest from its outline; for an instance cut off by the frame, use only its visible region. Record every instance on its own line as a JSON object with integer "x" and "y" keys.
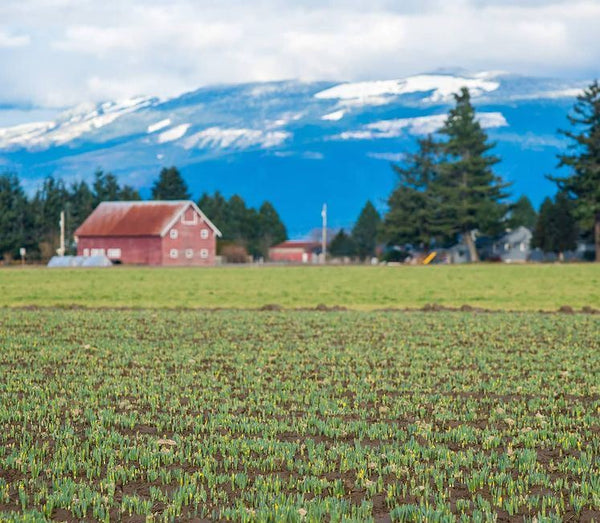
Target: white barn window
{"x": 173, "y": 253}
{"x": 188, "y": 221}
{"x": 204, "y": 253}
{"x": 173, "y": 234}
{"x": 189, "y": 253}
{"x": 114, "y": 254}
{"x": 204, "y": 234}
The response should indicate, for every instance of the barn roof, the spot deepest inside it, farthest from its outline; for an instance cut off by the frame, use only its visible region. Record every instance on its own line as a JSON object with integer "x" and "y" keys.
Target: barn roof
{"x": 138, "y": 218}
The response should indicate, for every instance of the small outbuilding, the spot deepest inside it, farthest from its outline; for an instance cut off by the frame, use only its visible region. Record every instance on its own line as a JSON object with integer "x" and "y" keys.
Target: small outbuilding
{"x": 149, "y": 233}
{"x": 296, "y": 251}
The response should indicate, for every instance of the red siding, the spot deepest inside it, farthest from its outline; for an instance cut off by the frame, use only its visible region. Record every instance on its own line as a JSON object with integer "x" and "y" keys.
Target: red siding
{"x": 189, "y": 240}
{"x": 140, "y": 250}
{"x": 287, "y": 256}
{"x": 293, "y": 255}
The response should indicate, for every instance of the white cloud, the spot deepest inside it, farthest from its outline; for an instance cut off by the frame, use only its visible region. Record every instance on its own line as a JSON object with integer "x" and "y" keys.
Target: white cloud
{"x": 65, "y": 51}
{"x": 9, "y": 40}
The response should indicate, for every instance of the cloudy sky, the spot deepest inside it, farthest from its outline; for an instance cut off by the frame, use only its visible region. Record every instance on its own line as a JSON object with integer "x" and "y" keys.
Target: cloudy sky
{"x": 56, "y": 53}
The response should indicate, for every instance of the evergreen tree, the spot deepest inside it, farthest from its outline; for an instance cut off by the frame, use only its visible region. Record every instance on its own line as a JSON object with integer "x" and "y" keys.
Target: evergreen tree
{"x": 364, "y": 233}
{"x": 215, "y": 208}
{"x": 237, "y": 216}
{"x": 13, "y": 216}
{"x": 170, "y": 186}
{"x": 271, "y": 229}
{"x": 522, "y": 213}
{"x": 49, "y": 201}
{"x": 81, "y": 204}
{"x": 106, "y": 187}
{"x": 342, "y": 245}
{"x": 128, "y": 194}
{"x": 246, "y": 227}
{"x": 541, "y": 237}
{"x": 412, "y": 206}
{"x": 556, "y": 228}
{"x": 584, "y": 161}
{"x": 469, "y": 193}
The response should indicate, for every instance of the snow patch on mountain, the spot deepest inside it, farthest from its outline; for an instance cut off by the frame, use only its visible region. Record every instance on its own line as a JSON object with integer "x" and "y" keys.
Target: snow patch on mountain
{"x": 175, "y": 133}
{"x": 227, "y": 138}
{"x": 24, "y": 133}
{"x": 570, "y": 92}
{"x": 442, "y": 87}
{"x": 284, "y": 119}
{"x": 334, "y": 116}
{"x": 69, "y": 125}
{"x": 419, "y": 125}
{"x": 388, "y": 157}
{"x": 159, "y": 125}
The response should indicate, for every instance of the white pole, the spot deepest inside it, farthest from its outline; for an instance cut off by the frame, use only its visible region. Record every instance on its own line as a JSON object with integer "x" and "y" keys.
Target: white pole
{"x": 61, "y": 250}
{"x": 324, "y": 233}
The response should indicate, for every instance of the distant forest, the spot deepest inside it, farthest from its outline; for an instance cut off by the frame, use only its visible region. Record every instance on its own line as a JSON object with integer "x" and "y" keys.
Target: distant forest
{"x": 446, "y": 192}
{"x": 33, "y": 223}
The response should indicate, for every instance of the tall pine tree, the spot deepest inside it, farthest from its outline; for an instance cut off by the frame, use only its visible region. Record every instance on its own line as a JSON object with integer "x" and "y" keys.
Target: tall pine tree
{"x": 106, "y": 187}
{"x": 584, "y": 161}
{"x": 49, "y": 200}
{"x": 129, "y": 194}
{"x": 271, "y": 229}
{"x": 365, "y": 231}
{"x": 342, "y": 245}
{"x": 170, "y": 185}
{"x": 13, "y": 216}
{"x": 215, "y": 207}
{"x": 556, "y": 227}
{"x": 469, "y": 193}
{"x": 411, "y": 205}
{"x": 522, "y": 213}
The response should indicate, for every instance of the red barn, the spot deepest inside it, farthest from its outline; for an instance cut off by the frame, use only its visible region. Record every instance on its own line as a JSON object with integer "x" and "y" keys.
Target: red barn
{"x": 295, "y": 251}
{"x": 149, "y": 233}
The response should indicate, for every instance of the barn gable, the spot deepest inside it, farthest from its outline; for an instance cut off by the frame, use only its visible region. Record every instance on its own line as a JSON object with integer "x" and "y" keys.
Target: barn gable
{"x": 139, "y": 218}
{"x": 190, "y": 214}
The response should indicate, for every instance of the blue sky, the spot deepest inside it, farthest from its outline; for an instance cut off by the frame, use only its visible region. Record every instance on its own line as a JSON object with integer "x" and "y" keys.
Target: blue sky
{"x": 56, "y": 53}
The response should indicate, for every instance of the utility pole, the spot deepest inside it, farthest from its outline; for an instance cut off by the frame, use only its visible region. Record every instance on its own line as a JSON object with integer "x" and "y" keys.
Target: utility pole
{"x": 61, "y": 250}
{"x": 324, "y": 233}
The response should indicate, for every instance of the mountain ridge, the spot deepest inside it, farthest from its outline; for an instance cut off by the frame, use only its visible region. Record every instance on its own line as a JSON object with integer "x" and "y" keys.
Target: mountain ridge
{"x": 298, "y": 144}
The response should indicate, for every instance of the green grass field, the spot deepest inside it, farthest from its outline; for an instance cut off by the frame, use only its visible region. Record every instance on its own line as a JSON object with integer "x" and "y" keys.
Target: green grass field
{"x": 169, "y": 414}
{"x": 298, "y": 416}
{"x": 528, "y": 287}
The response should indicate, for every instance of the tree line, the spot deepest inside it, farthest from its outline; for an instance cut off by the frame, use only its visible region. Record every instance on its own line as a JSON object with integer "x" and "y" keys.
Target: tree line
{"x": 447, "y": 189}
{"x": 32, "y": 222}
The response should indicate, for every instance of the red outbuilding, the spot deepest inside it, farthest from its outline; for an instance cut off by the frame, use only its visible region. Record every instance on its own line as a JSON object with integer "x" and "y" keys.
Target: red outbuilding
{"x": 149, "y": 233}
{"x": 295, "y": 251}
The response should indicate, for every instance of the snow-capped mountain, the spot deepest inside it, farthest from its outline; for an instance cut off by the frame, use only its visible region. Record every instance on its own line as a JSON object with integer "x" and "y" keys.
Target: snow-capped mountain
{"x": 297, "y": 144}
